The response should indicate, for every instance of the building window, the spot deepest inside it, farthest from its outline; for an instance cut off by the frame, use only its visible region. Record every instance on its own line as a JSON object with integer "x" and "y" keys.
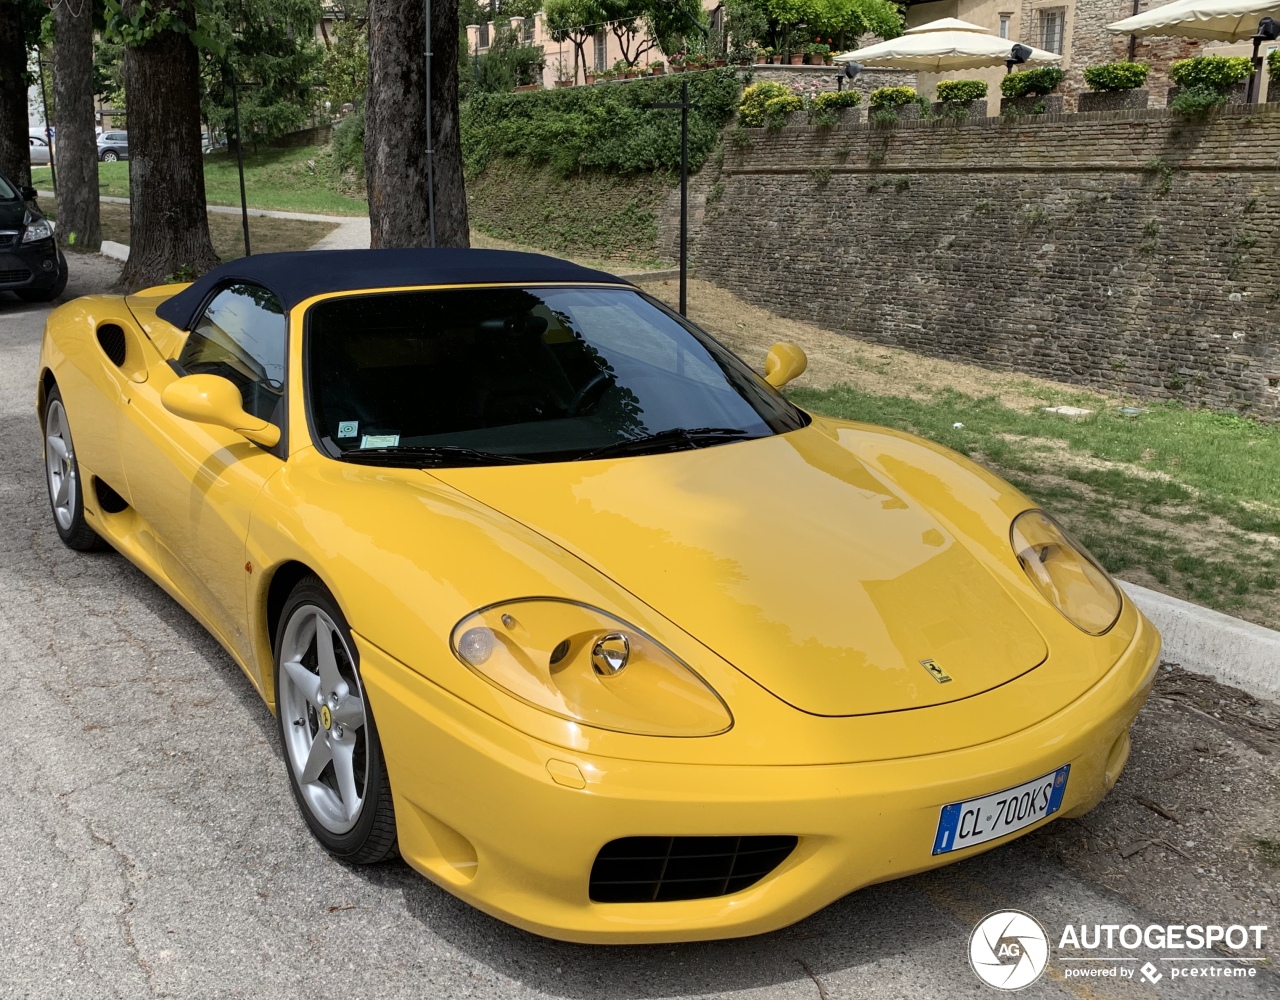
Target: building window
{"x": 1051, "y": 30}
{"x": 482, "y": 37}
{"x": 1004, "y": 25}
{"x": 602, "y": 49}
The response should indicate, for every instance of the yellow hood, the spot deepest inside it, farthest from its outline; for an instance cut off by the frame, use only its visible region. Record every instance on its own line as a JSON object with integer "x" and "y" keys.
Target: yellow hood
{"x": 792, "y": 560}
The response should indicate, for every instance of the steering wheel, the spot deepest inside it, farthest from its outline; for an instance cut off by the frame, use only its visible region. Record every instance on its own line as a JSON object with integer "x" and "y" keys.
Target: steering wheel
{"x": 595, "y": 388}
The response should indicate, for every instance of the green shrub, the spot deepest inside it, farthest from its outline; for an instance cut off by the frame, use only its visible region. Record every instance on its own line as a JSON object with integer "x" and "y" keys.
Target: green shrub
{"x": 1031, "y": 82}
{"x": 1197, "y": 101}
{"x": 1273, "y": 70}
{"x": 961, "y": 91}
{"x": 776, "y": 109}
{"x": 1219, "y": 73}
{"x": 892, "y": 97}
{"x": 598, "y": 128}
{"x": 347, "y": 143}
{"x": 1117, "y": 76}
{"x": 754, "y": 98}
{"x": 836, "y": 100}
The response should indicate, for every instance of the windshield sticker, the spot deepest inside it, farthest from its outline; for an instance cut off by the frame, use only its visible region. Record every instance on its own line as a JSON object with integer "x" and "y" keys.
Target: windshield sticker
{"x": 379, "y": 440}
{"x": 348, "y": 428}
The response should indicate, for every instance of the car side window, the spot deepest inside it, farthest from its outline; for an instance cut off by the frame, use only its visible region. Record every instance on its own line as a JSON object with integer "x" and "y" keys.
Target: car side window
{"x": 242, "y": 337}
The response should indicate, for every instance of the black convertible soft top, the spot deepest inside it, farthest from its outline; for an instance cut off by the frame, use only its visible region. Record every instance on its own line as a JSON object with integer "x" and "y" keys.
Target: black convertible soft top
{"x": 295, "y": 277}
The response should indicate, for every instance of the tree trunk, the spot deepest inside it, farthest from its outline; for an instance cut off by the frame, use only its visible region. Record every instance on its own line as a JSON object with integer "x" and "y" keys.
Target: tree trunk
{"x": 15, "y": 149}
{"x": 168, "y": 224}
{"x": 78, "y": 225}
{"x": 395, "y": 150}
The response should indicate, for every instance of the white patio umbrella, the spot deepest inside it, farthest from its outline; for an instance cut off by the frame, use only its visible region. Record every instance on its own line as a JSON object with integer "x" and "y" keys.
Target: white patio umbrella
{"x": 942, "y": 46}
{"x": 1219, "y": 20}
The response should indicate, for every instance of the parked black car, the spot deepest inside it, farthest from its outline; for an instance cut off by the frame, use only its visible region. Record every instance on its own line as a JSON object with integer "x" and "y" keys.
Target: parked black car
{"x": 30, "y": 265}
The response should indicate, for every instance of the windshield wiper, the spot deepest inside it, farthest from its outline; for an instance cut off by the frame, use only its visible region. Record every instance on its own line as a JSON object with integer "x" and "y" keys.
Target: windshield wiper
{"x": 429, "y": 456}
{"x": 673, "y": 439}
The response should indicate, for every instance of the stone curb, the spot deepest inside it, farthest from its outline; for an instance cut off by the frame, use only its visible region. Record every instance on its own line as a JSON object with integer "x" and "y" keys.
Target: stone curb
{"x": 117, "y": 251}
{"x": 1230, "y": 650}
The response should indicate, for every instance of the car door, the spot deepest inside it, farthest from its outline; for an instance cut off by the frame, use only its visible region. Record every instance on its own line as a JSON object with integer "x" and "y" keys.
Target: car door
{"x": 39, "y": 151}
{"x": 195, "y": 484}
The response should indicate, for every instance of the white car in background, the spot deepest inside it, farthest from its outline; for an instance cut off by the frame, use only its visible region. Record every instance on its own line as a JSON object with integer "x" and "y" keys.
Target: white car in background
{"x": 40, "y": 152}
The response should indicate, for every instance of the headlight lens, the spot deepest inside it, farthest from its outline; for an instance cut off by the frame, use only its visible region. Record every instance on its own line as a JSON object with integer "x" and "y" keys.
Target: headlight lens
{"x": 1064, "y": 571}
{"x": 579, "y": 663}
{"x": 38, "y": 230}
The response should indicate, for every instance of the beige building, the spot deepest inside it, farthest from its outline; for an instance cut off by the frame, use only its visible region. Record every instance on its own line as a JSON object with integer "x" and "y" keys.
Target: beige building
{"x": 602, "y": 50}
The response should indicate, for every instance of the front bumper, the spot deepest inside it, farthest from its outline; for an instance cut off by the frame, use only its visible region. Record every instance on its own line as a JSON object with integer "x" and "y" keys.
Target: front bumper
{"x": 496, "y": 817}
{"x": 29, "y": 265}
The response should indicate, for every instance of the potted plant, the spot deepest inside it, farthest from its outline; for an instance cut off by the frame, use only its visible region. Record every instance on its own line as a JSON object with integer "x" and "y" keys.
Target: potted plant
{"x": 1115, "y": 86}
{"x": 754, "y": 98}
{"x": 589, "y": 75}
{"x": 606, "y": 76}
{"x": 815, "y": 52}
{"x": 677, "y": 62}
{"x": 835, "y": 107}
{"x": 622, "y": 70}
{"x": 796, "y": 57}
{"x": 961, "y": 99}
{"x": 782, "y": 111}
{"x": 1206, "y": 81}
{"x": 894, "y": 104}
{"x": 762, "y": 54}
{"x": 564, "y": 75}
{"x": 1030, "y": 92}
{"x": 657, "y": 67}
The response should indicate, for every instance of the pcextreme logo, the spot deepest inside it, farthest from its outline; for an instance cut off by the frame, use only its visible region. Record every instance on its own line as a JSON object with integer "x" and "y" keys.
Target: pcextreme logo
{"x": 1008, "y": 949}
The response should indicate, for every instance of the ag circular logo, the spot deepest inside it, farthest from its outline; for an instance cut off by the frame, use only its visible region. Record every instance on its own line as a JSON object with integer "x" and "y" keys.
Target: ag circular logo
{"x": 1008, "y": 949}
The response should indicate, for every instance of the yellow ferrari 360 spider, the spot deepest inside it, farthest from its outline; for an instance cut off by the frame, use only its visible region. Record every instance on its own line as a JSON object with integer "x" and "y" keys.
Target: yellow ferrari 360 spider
{"x": 556, "y": 597}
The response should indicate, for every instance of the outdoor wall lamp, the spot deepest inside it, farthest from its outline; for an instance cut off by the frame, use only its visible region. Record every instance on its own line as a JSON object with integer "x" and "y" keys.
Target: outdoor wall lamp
{"x": 1017, "y": 56}
{"x": 1268, "y": 31}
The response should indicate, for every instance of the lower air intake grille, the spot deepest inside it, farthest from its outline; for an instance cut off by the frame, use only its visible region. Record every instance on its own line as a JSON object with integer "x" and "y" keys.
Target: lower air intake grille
{"x": 660, "y": 869}
{"x": 13, "y": 274}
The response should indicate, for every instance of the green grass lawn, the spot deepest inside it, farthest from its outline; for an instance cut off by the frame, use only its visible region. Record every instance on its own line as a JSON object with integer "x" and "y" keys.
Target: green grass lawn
{"x": 265, "y": 235}
{"x": 289, "y": 180}
{"x": 1186, "y": 500}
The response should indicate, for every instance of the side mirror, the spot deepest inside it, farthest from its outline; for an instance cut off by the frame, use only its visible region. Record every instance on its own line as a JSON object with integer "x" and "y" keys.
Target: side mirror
{"x": 212, "y": 399}
{"x": 784, "y": 362}
{"x": 28, "y": 193}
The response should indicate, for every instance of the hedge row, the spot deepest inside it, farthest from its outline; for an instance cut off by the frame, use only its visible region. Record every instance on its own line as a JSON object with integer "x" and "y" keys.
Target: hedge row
{"x": 606, "y": 127}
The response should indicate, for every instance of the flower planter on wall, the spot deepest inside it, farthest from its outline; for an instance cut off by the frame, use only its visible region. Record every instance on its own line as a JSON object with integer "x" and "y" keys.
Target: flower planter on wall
{"x": 797, "y": 118}
{"x": 1234, "y": 96}
{"x": 797, "y": 59}
{"x": 1113, "y": 100}
{"x": 953, "y": 109}
{"x": 1049, "y": 104}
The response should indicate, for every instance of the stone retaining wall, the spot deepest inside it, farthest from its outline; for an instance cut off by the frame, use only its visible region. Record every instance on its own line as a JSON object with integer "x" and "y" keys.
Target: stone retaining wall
{"x": 1132, "y": 251}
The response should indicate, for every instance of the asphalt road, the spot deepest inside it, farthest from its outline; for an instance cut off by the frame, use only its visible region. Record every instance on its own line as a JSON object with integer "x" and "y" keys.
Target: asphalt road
{"x": 149, "y": 844}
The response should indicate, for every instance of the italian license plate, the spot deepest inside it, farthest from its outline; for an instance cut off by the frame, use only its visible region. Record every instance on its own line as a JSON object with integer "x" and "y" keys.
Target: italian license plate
{"x": 965, "y": 824}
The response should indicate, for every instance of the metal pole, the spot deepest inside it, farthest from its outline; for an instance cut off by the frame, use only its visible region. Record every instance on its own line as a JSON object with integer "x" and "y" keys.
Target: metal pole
{"x": 244, "y": 204}
{"x": 1133, "y": 39}
{"x": 1254, "y": 90}
{"x": 48, "y": 133}
{"x": 684, "y": 197}
{"x": 431, "y": 166}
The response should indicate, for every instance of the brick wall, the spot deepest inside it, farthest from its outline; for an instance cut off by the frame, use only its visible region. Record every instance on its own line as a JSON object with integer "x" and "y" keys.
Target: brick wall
{"x": 1129, "y": 251}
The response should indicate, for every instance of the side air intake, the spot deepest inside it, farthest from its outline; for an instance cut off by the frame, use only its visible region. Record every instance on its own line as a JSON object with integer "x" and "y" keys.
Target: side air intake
{"x": 111, "y": 340}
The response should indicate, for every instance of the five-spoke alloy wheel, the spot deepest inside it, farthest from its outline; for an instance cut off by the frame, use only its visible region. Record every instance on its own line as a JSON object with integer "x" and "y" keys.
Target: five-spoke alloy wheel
{"x": 330, "y": 741}
{"x": 62, "y": 473}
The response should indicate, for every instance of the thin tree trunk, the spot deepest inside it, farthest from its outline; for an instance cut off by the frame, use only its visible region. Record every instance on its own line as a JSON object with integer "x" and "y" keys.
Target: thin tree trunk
{"x": 395, "y": 149}
{"x": 15, "y": 149}
{"x": 78, "y": 224}
{"x": 168, "y": 224}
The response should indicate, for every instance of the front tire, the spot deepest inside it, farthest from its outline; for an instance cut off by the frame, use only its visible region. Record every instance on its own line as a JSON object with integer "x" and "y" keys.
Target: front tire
{"x": 110, "y": 156}
{"x": 62, "y": 476}
{"x": 331, "y": 745}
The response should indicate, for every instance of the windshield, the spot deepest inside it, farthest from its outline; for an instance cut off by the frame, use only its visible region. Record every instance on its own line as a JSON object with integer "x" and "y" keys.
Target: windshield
{"x": 534, "y": 374}
{"x": 7, "y": 192}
